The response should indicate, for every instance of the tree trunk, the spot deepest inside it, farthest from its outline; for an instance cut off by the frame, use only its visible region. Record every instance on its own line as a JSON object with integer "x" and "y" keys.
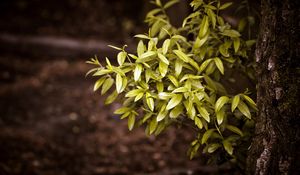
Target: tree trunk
{"x": 275, "y": 147}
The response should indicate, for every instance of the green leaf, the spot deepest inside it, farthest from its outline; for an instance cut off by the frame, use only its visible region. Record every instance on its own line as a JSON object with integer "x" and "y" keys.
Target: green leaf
{"x": 152, "y": 125}
{"x": 228, "y": 147}
{"x": 98, "y": 83}
{"x": 170, "y": 3}
{"x": 212, "y": 17}
{"x": 163, "y": 58}
{"x": 100, "y": 72}
{"x": 234, "y": 129}
{"x": 244, "y": 109}
{"x": 224, "y": 50}
{"x": 137, "y": 72}
{"x": 140, "y": 48}
{"x": 124, "y": 84}
{"x": 131, "y": 121}
{"x": 121, "y": 57}
{"x": 249, "y": 100}
{"x": 147, "y": 54}
{"x": 119, "y": 82}
{"x": 236, "y": 44}
{"x": 122, "y": 110}
{"x": 134, "y": 92}
{"x": 204, "y": 65}
{"x": 235, "y": 102}
{"x": 108, "y": 63}
{"x": 173, "y": 80}
{"x": 203, "y": 112}
{"x": 147, "y": 116}
{"x": 126, "y": 114}
{"x": 210, "y": 82}
{"x": 231, "y": 33}
{"x": 180, "y": 90}
{"x": 176, "y": 111}
{"x": 220, "y": 116}
{"x": 175, "y": 100}
{"x": 157, "y": 2}
{"x": 204, "y": 26}
{"x": 111, "y": 98}
{"x": 107, "y": 85}
{"x": 178, "y": 67}
{"x": 199, "y": 42}
{"x": 181, "y": 55}
{"x": 153, "y": 12}
{"x": 219, "y": 65}
{"x": 155, "y": 28}
{"x": 159, "y": 86}
{"x": 220, "y": 103}
{"x": 226, "y": 5}
{"x": 198, "y": 123}
{"x": 165, "y": 46}
{"x": 114, "y": 47}
{"x": 138, "y": 96}
{"x": 163, "y": 68}
{"x": 164, "y": 95}
{"x": 207, "y": 135}
{"x": 142, "y": 36}
{"x": 213, "y": 147}
{"x": 161, "y": 115}
{"x": 150, "y": 101}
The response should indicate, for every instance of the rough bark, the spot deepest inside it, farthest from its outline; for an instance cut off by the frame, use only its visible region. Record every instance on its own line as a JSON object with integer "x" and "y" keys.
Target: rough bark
{"x": 275, "y": 146}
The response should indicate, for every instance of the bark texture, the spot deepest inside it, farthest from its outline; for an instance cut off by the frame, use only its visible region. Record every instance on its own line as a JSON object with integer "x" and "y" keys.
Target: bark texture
{"x": 275, "y": 148}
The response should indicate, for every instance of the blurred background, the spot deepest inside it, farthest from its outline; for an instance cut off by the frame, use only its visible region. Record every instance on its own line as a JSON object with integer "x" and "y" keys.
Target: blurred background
{"x": 51, "y": 121}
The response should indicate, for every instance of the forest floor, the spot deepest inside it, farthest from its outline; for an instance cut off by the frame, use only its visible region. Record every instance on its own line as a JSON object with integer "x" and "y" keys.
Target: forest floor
{"x": 52, "y": 122}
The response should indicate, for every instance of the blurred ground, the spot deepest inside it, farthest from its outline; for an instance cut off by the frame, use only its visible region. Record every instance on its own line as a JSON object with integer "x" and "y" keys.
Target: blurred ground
{"x": 51, "y": 122}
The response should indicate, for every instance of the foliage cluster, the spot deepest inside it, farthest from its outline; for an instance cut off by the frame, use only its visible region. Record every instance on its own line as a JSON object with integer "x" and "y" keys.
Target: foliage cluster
{"x": 175, "y": 77}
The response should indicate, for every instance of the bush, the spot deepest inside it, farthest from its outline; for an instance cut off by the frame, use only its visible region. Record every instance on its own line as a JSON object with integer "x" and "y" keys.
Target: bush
{"x": 175, "y": 77}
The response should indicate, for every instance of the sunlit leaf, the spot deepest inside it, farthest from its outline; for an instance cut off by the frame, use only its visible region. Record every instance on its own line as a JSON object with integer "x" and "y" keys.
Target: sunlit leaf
{"x": 213, "y": 147}
{"x": 207, "y": 135}
{"x": 140, "y": 48}
{"x": 133, "y": 92}
{"x": 163, "y": 68}
{"x": 219, "y": 64}
{"x": 220, "y": 116}
{"x": 131, "y": 121}
{"x": 165, "y": 46}
{"x": 98, "y": 83}
{"x": 175, "y": 112}
{"x": 226, "y": 5}
{"x": 152, "y": 125}
{"x": 163, "y": 58}
{"x": 203, "y": 112}
{"x": 175, "y": 100}
{"x": 119, "y": 83}
{"x": 203, "y": 27}
{"x": 148, "y": 54}
{"x": 235, "y": 102}
{"x": 220, "y": 103}
{"x": 228, "y": 147}
{"x": 107, "y": 85}
{"x": 111, "y": 98}
{"x": 121, "y": 57}
{"x": 150, "y": 101}
{"x": 244, "y": 109}
{"x": 170, "y": 3}
{"x": 198, "y": 123}
{"x": 181, "y": 55}
{"x": 137, "y": 72}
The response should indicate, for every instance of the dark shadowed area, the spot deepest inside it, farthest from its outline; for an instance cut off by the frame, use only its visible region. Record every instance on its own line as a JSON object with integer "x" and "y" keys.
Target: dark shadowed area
{"x": 51, "y": 121}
